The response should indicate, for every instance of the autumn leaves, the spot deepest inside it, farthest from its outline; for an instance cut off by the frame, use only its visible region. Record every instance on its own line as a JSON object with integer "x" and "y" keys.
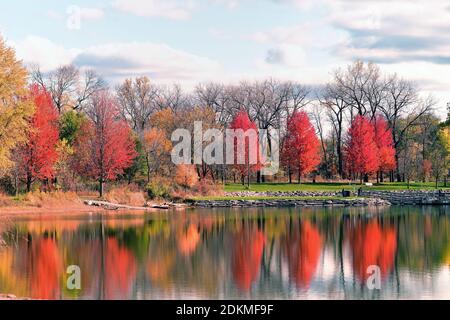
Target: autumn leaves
{"x": 369, "y": 148}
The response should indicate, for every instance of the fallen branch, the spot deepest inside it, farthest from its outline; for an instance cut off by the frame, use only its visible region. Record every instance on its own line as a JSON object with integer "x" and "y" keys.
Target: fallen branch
{"x": 114, "y": 206}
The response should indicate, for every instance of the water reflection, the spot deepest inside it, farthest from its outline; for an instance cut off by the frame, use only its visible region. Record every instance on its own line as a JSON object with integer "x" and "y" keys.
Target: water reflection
{"x": 231, "y": 253}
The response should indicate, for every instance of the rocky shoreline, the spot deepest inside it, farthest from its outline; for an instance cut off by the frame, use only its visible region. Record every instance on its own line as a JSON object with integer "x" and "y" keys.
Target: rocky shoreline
{"x": 360, "y": 202}
{"x": 366, "y": 198}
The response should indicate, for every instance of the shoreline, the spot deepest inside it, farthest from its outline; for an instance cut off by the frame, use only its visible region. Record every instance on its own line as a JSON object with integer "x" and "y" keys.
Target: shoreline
{"x": 246, "y": 199}
{"x": 283, "y": 203}
{"x": 325, "y": 198}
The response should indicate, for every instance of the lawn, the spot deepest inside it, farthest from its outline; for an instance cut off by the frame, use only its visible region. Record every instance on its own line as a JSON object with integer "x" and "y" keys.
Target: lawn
{"x": 328, "y": 186}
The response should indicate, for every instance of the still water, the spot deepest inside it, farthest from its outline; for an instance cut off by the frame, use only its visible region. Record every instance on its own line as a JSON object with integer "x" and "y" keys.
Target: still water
{"x": 308, "y": 253}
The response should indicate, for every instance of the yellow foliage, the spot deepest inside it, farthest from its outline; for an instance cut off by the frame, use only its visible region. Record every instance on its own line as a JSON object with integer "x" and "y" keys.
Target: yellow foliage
{"x": 15, "y": 108}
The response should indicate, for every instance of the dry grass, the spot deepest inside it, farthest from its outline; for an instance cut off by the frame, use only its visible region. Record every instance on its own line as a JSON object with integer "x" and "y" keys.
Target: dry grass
{"x": 58, "y": 199}
{"x": 125, "y": 195}
{"x": 204, "y": 188}
{"x": 5, "y": 200}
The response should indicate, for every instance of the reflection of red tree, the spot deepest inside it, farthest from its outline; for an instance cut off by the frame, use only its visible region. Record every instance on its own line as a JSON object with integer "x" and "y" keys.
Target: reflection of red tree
{"x": 45, "y": 269}
{"x": 120, "y": 270}
{"x": 373, "y": 245}
{"x": 303, "y": 253}
{"x": 247, "y": 254}
{"x": 188, "y": 240}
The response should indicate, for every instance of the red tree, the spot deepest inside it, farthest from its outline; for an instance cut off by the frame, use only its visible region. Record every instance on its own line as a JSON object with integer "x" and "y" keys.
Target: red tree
{"x": 37, "y": 157}
{"x": 361, "y": 149}
{"x": 251, "y": 154}
{"x": 104, "y": 145}
{"x": 301, "y": 146}
{"x": 385, "y": 145}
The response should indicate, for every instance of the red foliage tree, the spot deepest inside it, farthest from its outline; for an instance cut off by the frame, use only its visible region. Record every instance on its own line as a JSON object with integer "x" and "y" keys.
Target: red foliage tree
{"x": 385, "y": 145}
{"x": 301, "y": 148}
{"x": 37, "y": 157}
{"x": 242, "y": 122}
{"x": 361, "y": 149}
{"x": 104, "y": 146}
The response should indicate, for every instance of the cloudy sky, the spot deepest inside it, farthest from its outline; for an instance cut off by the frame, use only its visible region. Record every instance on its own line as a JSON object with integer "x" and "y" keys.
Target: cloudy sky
{"x": 193, "y": 41}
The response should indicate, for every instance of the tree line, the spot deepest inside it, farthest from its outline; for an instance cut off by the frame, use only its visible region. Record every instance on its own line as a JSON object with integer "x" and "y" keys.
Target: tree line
{"x": 68, "y": 128}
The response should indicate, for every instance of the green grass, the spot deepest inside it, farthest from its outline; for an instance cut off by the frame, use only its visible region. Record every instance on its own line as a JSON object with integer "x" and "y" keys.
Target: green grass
{"x": 328, "y": 186}
{"x": 221, "y": 198}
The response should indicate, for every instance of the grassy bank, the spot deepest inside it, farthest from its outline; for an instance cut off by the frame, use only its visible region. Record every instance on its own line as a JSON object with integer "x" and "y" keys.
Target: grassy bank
{"x": 263, "y": 187}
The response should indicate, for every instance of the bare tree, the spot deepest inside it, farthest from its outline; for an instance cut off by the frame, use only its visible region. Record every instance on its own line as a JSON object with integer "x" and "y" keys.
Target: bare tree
{"x": 67, "y": 88}
{"x": 137, "y": 102}
{"x": 333, "y": 99}
{"x": 173, "y": 98}
{"x": 402, "y": 102}
{"x": 317, "y": 116}
{"x": 217, "y": 97}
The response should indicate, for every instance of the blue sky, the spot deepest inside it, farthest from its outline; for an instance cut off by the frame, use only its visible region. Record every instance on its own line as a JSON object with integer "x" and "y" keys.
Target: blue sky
{"x": 193, "y": 41}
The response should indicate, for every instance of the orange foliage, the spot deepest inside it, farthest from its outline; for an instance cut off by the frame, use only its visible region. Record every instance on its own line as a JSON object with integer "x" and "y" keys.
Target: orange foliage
{"x": 186, "y": 175}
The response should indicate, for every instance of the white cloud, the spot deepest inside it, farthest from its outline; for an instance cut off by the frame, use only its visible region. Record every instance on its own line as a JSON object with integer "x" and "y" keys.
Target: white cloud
{"x": 38, "y": 50}
{"x": 160, "y": 61}
{"x": 91, "y": 14}
{"x": 171, "y": 9}
{"x": 116, "y": 61}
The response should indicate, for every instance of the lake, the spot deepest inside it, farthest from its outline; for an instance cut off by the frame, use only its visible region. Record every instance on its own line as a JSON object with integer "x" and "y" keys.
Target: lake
{"x": 295, "y": 253}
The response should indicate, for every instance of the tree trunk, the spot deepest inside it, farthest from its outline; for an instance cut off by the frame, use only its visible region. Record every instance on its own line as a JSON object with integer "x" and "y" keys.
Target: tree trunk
{"x": 290, "y": 174}
{"x": 100, "y": 186}
{"x": 340, "y": 160}
{"x": 366, "y": 177}
{"x": 148, "y": 168}
{"x": 399, "y": 178}
{"x": 16, "y": 185}
{"x": 29, "y": 182}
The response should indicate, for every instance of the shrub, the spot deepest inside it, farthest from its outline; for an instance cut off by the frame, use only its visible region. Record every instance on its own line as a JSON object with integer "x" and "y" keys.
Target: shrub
{"x": 207, "y": 187}
{"x": 201, "y": 189}
{"x": 186, "y": 176}
{"x": 128, "y": 195}
{"x": 159, "y": 187}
